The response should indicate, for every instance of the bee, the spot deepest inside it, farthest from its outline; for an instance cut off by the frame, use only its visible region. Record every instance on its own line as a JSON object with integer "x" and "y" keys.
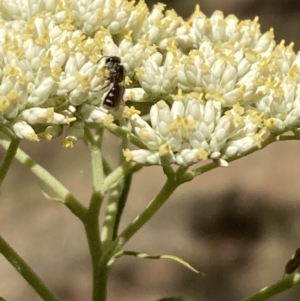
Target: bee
{"x": 116, "y": 77}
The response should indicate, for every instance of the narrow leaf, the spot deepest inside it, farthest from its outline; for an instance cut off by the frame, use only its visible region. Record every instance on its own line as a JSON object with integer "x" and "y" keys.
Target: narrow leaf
{"x": 51, "y": 198}
{"x": 147, "y": 256}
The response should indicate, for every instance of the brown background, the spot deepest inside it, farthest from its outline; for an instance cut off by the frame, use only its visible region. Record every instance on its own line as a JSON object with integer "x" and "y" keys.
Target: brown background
{"x": 239, "y": 225}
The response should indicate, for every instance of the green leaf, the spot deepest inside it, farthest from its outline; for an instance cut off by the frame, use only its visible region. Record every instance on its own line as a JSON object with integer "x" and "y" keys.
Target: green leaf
{"x": 51, "y": 198}
{"x": 1, "y": 299}
{"x": 146, "y": 256}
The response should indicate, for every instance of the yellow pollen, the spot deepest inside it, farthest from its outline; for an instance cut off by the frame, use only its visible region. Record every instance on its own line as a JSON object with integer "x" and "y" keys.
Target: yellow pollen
{"x": 67, "y": 143}
{"x": 214, "y": 96}
{"x": 29, "y": 29}
{"x": 67, "y": 23}
{"x": 293, "y": 72}
{"x": 197, "y": 10}
{"x": 13, "y": 96}
{"x": 291, "y": 46}
{"x": 93, "y": 57}
{"x": 60, "y": 6}
{"x": 179, "y": 95}
{"x": 202, "y": 154}
{"x": 64, "y": 45}
{"x": 69, "y": 120}
{"x": 45, "y": 62}
{"x": 56, "y": 73}
{"x": 22, "y": 80}
{"x": 270, "y": 123}
{"x": 173, "y": 15}
{"x": 174, "y": 126}
{"x": 4, "y": 104}
{"x": 127, "y": 153}
{"x": 189, "y": 125}
{"x": 42, "y": 40}
{"x": 207, "y": 25}
{"x": 108, "y": 120}
{"x": 49, "y": 115}
{"x": 238, "y": 109}
{"x": 78, "y": 40}
{"x": 205, "y": 69}
{"x": 160, "y": 6}
{"x": 255, "y": 20}
{"x": 260, "y": 137}
{"x": 127, "y": 81}
{"x": 9, "y": 70}
{"x": 45, "y": 136}
{"x": 270, "y": 33}
{"x": 32, "y": 137}
{"x": 140, "y": 72}
{"x": 84, "y": 82}
{"x": 129, "y": 112}
{"x": 128, "y": 35}
{"x": 164, "y": 150}
{"x": 256, "y": 117}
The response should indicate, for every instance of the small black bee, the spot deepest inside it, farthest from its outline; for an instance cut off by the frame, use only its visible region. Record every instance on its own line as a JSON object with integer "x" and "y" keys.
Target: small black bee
{"x": 116, "y": 76}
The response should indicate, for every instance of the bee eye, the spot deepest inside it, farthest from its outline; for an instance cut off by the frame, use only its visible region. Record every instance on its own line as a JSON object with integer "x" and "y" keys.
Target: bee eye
{"x": 113, "y": 60}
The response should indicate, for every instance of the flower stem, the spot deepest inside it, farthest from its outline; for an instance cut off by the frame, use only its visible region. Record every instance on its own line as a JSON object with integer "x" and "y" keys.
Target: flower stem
{"x": 103, "y": 278}
{"x": 91, "y": 223}
{"x": 120, "y": 132}
{"x": 94, "y": 242}
{"x": 117, "y": 200}
{"x": 167, "y": 190}
{"x": 119, "y": 173}
{"x": 29, "y": 275}
{"x": 10, "y": 154}
{"x": 111, "y": 214}
{"x": 272, "y": 290}
{"x": 121, "y": 204}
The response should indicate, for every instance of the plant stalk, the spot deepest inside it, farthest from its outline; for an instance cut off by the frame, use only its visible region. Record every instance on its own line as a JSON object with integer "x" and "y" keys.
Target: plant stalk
{"x": 28, "y": 274}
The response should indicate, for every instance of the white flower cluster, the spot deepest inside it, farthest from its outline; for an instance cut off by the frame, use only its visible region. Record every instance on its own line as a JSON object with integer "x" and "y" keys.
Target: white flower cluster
{"x": 217, "y": 86}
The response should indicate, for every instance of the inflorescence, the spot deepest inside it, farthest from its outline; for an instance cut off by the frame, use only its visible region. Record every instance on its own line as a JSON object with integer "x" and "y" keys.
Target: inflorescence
{"x": 196, "y": 89}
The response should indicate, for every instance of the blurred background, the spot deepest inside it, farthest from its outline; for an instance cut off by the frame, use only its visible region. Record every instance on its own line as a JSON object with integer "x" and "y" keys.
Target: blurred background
{"x": 238, "y": 225}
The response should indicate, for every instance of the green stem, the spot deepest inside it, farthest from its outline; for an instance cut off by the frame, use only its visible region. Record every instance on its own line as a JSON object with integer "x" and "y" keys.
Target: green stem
{"x": 110, "y": 215}
{"x": 118, "y": 131}
{"x": 92, "y": 221}
{"x": 118, "y": 197}
{"x": 167, "y": 190}
{"x": 121, "y": 204}
{"x": 165, "y": 193}
{"x": 119, "y": 173}
{"x": 28, "y": 274}
{"x": 123, "y": 192}
{"x": 272, "y": 290}
{"x": 10, "y": 154}
{"x": 65, "y": 195}
{"x": 93, "y": 236}
{"x": 103, "y": 273}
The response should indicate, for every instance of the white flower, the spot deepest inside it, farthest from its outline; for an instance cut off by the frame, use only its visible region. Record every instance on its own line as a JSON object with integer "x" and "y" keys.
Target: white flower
{"x": 207, "y": 88}
{"x": 24, "y": 130}
{"x": 194, "y": 130}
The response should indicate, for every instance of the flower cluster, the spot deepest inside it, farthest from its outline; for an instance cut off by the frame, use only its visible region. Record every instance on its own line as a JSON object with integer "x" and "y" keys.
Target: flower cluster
{"x": 215, "y": 86}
